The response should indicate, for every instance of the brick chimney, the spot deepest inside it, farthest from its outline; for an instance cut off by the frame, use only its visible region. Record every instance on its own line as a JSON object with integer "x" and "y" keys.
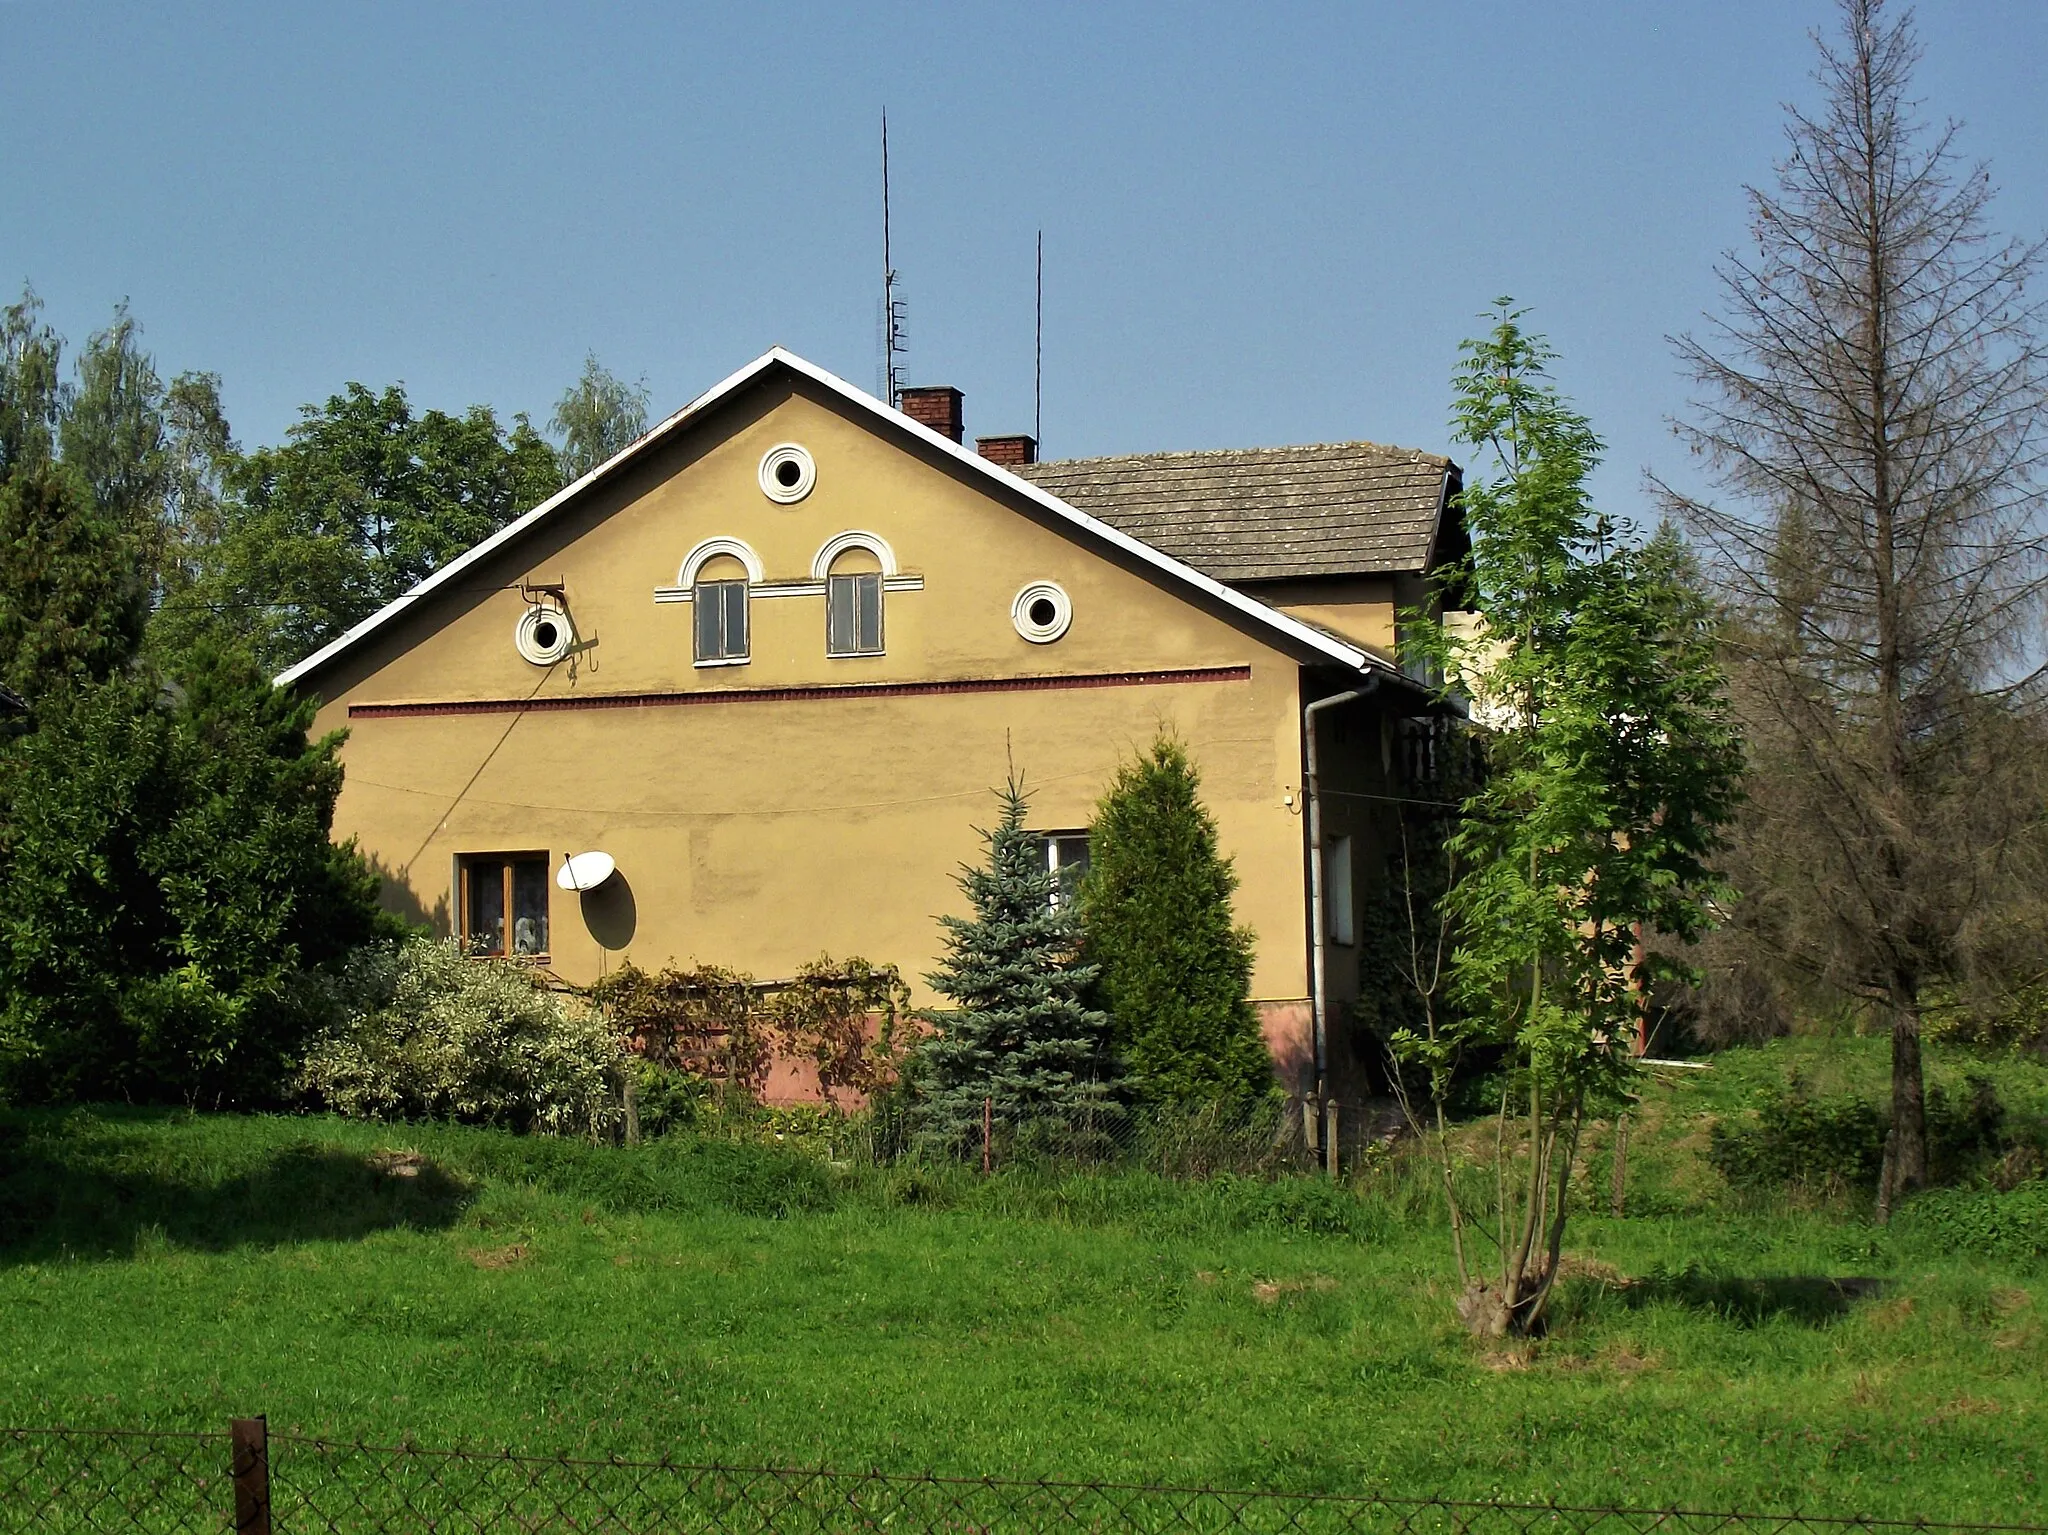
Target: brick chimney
{"x": 938, "y": 408}
{"x": 1019, "y": 448}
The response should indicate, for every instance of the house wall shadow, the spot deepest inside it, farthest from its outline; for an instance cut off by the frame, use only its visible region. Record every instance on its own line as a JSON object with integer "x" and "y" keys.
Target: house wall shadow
{"x": 396, "y": 895}
{"x": 611, "y": 914}
{"x": 77, "y": 1196}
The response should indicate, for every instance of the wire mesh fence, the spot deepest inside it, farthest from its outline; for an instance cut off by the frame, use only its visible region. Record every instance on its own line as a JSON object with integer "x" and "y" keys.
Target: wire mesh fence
{"x": 253, "y": 1483}
{"x": 1264, "y": 1139}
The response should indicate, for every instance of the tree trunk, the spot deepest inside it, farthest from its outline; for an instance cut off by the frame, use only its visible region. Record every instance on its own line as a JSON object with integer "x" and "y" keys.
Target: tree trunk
{"x": 1905, "y": 1147}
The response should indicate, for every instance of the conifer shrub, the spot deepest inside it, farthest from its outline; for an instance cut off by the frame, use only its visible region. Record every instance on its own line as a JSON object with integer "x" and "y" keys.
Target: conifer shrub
{"x": 171, "y": 903}
{"x": 1175, "y": 968}
{"x": 1020, "y": 1037}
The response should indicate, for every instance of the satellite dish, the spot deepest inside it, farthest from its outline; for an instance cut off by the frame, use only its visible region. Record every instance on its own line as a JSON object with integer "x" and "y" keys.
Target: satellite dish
{"x": 585, "y": 871}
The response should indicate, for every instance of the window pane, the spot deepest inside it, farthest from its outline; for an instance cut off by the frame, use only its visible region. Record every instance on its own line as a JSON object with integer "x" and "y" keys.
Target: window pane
{"x": 839, "y": 609}
{"x": 735, "y": 618}
{"x": 1070, "y": 855}
{"x": 1343, "y": 924}
{"x": 868, "y": 636}
{"x": 705, "y": 600}
{"x": 486, "y": 933}
{"x": 530, "y": 906}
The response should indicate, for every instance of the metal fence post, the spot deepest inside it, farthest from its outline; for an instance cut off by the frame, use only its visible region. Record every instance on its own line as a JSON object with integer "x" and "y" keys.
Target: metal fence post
{"x": 250, "y": 1463}
{"x": 1330, "y": 1136}
{"x": 988, "y": 1106}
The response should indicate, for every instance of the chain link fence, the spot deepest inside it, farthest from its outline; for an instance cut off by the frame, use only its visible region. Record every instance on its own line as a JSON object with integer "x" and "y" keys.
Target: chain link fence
{"x": 254, "y": 1483}
{"x": 1283, "y": 1135}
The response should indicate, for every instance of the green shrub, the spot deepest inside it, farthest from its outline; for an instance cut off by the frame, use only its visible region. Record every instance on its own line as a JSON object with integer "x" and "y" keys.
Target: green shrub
{"x": 1837, "y": 1143}
{"x": 429, "y": 1034}
{"x": 1799, "y": 1140}
{"x": 2013, "y": 1226}
{"x": 679, "y": 1174}
{"x": 672, "y": 1099}
{"x": 1176, "y": 970}
{"x": 169, "y": 893}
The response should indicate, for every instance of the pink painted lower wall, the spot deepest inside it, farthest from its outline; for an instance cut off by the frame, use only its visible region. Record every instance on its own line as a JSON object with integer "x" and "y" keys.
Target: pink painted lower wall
{"x": 1289, "y": 1028}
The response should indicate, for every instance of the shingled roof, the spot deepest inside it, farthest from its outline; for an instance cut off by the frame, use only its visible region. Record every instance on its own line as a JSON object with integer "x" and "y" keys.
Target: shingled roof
{"x": 1266, "y": 514}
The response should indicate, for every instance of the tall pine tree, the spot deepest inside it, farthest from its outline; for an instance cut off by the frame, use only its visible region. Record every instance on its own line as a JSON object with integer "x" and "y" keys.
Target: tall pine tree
{"x": 1176, "y": 970}
{"x": 1020, "y": 1035}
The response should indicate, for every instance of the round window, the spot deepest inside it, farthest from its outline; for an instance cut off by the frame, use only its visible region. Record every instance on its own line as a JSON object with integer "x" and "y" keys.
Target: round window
{"x": 1041, "y": 612}
{"x": 787, "y": 473}
{"x": 544, "y": 635}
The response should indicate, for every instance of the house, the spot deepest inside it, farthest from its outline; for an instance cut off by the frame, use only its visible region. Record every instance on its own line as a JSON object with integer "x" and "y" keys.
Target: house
{"x": 772, "y": 659}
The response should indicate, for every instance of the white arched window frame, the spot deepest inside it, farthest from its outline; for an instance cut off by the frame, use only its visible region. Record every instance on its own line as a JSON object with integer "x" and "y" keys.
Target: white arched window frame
{"x": 710, "y": 549}
{"x": 757, "y": 585}
{"x": 720, "y": 626}
{"x": 853, "y": 603}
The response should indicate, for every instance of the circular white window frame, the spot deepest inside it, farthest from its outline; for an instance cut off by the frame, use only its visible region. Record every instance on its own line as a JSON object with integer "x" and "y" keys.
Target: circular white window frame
{"x": 1030, "y": 597}
{"x": 526, "y": 636}
{"x": 772, "y": 463}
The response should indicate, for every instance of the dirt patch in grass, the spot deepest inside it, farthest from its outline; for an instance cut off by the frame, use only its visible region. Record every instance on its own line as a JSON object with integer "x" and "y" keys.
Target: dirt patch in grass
{"x": 500, "y": 1257}
{"x": 1267, "y": 1291}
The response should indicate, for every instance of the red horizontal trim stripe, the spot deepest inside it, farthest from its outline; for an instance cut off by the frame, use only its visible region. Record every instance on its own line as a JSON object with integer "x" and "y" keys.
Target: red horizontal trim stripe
{"x": 800, "y": 695}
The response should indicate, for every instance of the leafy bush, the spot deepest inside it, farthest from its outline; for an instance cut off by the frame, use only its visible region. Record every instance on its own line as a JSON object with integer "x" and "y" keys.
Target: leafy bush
{"x": 429, "y": 1034}
{"x": 1799, "y": 1140}
{"x": 671, "y": 1099}
{"x": 2013, "y": 1226}
{"x": 1837, "y": 1143}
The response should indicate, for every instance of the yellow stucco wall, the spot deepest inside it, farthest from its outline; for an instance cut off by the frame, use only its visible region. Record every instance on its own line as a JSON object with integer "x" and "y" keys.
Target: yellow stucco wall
{"x": 757, "y": 834}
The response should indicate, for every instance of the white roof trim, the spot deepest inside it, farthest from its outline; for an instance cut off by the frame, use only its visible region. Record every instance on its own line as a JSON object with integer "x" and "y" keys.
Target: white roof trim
{"x": 1301, "y": 634}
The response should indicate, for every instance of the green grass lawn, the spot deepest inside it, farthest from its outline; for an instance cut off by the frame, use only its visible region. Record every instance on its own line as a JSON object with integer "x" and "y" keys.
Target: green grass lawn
{"x": 750, "y": 1304}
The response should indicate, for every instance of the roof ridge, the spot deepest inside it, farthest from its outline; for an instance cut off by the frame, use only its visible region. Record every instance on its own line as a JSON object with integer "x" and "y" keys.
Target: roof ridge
{"x": 1411, "y": 455}
{"x": 1345, "y": 652}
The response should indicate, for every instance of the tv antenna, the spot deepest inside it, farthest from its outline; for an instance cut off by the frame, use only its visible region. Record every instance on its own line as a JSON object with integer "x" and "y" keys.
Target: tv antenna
{"x": 1038, "y": 358}
{"x": 891, "y": 328}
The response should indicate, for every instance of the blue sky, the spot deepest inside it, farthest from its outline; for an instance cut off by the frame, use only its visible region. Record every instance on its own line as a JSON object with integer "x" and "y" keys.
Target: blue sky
{"x": 1264, "y": 223}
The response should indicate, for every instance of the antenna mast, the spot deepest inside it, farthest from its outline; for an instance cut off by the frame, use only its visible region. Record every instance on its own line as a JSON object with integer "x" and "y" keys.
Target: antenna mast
{"x": 892, "y": 306}
{"x": 1038, "y": 358}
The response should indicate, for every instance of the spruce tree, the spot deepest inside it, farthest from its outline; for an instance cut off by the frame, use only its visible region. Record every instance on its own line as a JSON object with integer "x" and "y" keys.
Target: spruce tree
{"x": 1021, "y": 1034}
{"x": 1175, "y": 969}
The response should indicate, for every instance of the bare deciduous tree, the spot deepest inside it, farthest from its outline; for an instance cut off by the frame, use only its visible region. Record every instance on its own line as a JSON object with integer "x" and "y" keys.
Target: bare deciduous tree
{"x": 1872, "y": 404}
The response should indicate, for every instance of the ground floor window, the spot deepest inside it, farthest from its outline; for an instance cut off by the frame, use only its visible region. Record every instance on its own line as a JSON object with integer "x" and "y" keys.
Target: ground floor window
{"x": 504, "y": 899}
{"x": 1066, "y": 860}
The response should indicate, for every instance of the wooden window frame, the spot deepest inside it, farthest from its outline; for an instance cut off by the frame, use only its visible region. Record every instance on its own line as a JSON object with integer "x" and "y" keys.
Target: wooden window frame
{"x": 465, "y": 866}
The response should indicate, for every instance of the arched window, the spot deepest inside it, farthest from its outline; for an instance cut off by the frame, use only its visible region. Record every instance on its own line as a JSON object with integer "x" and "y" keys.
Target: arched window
{"x": 853, "y": 605}
{"x": 854, "y": 567}
{"x": 718, "y": 573}
{"x": 720, "y": 596}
